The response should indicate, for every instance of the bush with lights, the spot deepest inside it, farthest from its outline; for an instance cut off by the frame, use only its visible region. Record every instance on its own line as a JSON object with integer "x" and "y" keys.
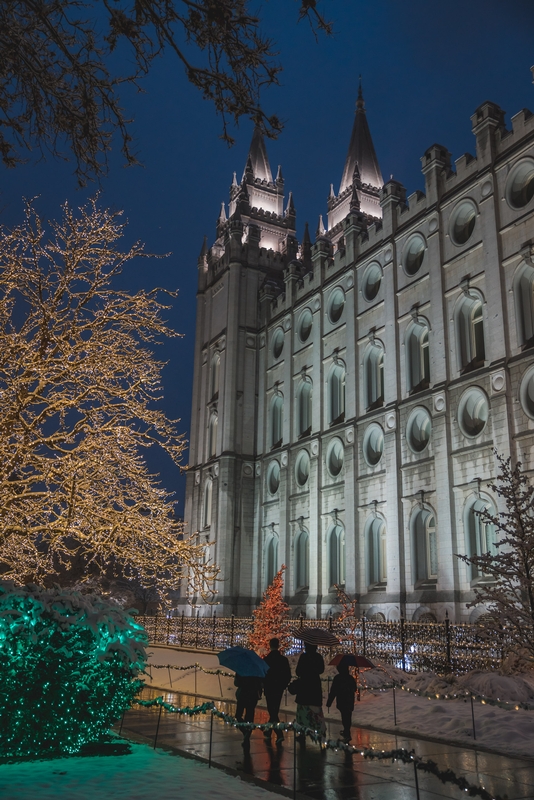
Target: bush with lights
{"x": 69, "y": 666}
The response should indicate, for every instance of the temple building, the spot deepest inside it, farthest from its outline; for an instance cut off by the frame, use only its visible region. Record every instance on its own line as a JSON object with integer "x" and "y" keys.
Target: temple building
{"x": 350, "y": 392}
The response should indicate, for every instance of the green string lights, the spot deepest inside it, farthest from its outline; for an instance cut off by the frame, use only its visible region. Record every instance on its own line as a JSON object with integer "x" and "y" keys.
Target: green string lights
{"x": 68, "y": 668}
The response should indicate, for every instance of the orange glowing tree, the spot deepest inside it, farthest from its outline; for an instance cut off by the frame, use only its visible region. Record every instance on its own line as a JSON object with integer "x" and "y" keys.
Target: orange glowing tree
{"x": 271, "y": 618}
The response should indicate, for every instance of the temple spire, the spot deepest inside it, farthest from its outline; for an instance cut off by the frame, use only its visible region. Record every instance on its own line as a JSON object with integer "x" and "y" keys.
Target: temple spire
{"x": 361, "y": 151}
{"x": 257, "y": 161}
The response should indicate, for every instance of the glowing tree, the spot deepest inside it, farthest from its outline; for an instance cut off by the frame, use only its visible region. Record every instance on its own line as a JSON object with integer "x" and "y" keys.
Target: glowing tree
{"x": 78, "y": 388}
{"x": 506, "y": 571}
{"x": 68, "y": 668}
{"x": 271, "y": 618}
{"x": 348, "y": 616}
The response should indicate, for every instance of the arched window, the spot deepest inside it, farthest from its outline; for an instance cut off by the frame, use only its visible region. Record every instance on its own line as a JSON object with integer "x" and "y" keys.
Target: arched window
{"x": 373, "y": 375}
{"x": 470, "y": 333}
{"x": 304, "y": 408}
{"x": 212, "y": 435}
{"x": 479, "y": 532}
{"x": 277, "y": 420}
{"x": 271, "y": 559}
{"x": 336, "y": 556}
{"x": 206, "y": 506}
{"x": 214, "y": 374}
{"x": 417, "y": 357}
{"x": 524, "y": 304}
{"x": 301, "y": 560}
{"x": 336, "y": 394}
{"x": 376, "y": 551}
{"x": 425, "y": 545}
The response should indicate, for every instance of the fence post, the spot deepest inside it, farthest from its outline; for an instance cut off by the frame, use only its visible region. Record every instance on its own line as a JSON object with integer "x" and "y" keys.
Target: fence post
{"x": 213, "y": 633}
{"x": 168, "y": 630}
{"x": 232, "y": 631}
{"x": 330, "y": 622}
{"x": 403, "y": 644}
{"x": 197, "y": 632}
{"x": 448, "y": 639}
{"x": 363, "y": 636}
{"x": 301, "y": 617}
{"x": 182, "y": 631}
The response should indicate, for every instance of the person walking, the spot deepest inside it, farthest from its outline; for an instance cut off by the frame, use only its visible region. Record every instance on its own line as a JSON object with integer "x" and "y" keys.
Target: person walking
{"x": 309, "y": 697}
{"x": 248, "y": 692}
{"x": 274, "y": 683}
{"x": 342, "y": 691}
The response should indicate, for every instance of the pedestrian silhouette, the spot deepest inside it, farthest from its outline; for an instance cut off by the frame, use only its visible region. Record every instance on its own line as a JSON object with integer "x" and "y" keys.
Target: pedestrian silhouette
{"x": 343, "y": 691}
{"x": 274, "y": 683}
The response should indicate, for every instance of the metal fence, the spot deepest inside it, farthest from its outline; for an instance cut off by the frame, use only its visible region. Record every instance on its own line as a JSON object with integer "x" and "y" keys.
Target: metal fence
{"x": 413, "y": 646}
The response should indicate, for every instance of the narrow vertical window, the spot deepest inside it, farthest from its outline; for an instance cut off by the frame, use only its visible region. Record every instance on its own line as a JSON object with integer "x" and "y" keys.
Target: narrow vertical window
{"x": 336, "y": 394}
{"x": 425, "y": 546}
{"x": 277, "y": 417}
{"x": 271, "y": 559}
{"x": 373, "y": 373}
{"x": 524, "y": 305}
{"x": 304, "y": 408}
{"x": 479, "y": 532}
{"x": 470, "y": 334}
{"x": 301, "y": 560}
{"x": 214, "y": 375}
{"x": 212, "y": 435}
{"x": 417, "y": 357}
{"x": 376, "y": 552}
{"x": 336, "y": 556}
{"x": 207, "y": 505}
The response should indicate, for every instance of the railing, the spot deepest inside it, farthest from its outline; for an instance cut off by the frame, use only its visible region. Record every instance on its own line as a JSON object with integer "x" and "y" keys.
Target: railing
{"x": 412, "y": 646}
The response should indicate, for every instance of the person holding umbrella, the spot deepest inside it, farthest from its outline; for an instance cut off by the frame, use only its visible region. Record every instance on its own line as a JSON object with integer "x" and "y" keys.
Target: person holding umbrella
{"x": 343, "y": 690}
{"x": 310, "y": 667}
{"x": 250, "y": 670}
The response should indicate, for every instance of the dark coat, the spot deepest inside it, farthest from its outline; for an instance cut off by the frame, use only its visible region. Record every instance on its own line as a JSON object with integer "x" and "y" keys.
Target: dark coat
{"x": 249, "y": 688}
{"x": 309, "y": 669}
{"x": 343, "y": 690}
{"x": 279, "y": 674}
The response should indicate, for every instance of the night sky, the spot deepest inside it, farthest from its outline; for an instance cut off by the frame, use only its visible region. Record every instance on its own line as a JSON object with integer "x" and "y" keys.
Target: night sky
{"x": 425, "y": 67}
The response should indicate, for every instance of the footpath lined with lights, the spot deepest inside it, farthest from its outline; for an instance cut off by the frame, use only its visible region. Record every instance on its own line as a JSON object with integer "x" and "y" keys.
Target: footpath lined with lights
{"x": 520, "y": 705}
{"x": 399, "y": 754}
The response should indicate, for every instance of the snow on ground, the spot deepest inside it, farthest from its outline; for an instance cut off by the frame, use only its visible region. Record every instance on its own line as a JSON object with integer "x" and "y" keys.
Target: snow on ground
{"x": 510, "y": 732}
{"x": 144, "y": 774}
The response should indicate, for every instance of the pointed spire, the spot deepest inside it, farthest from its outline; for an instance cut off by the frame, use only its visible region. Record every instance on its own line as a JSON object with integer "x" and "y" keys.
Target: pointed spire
{"x": 279, "y": 176}
{"x": 290, "y": 210}
{"x": 222, "y": 215}
{"x": 320, "y": 227}
{"x": 234, "y": 180}
{"x": 332, "y": 193}
{"x": 257, "y": 161}
{"x": 306, "y": 238}
{"x": 306, "y": 246}
{"x": 204, "y": 251}
{"x": 361, "y": 151}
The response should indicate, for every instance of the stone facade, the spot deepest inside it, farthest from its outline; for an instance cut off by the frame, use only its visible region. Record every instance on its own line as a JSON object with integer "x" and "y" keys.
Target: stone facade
{"x": 349, "y": 394}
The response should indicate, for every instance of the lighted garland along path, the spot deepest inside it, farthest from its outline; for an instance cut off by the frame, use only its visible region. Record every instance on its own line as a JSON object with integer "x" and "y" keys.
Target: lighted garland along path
{"x": 157, "y": 725}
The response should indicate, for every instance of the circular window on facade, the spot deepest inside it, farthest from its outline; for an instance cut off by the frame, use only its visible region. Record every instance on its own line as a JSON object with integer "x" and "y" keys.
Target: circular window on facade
{"x": 413, "y": 254}
{"x": 334, "y": 457}
{"x": 526, "y": 392}
{"x": 473, "y": 412}
{"x": 305, "y": 325}
{"x": 273, "y": 477}
{"x": 463, "y": 222}
{"x": 418, "y": 429}
{"x": 373, "y": 444}
{"x": 278, "y": 342}
{"x": 520, "y": 184}
{"x": 302, "y": 468}
{"x": 372, "y": 278}
{"x": 336, "y": 305}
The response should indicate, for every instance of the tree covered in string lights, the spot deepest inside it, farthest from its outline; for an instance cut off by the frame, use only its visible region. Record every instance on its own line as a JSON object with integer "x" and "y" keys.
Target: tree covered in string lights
{"x": 506, "y": 571}
{"x": 68, "y": 668}
{"x": 271, "y": 618}
{"x": 348, "y": 615}
{"x": 79, "y": 386}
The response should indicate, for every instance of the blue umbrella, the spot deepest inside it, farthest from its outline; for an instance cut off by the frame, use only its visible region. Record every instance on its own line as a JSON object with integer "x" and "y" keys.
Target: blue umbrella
{"x": 243, "y": 662}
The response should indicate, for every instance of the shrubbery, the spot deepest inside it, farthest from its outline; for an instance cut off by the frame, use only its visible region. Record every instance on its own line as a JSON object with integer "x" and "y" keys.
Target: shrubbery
{"x": 69, "y": 666}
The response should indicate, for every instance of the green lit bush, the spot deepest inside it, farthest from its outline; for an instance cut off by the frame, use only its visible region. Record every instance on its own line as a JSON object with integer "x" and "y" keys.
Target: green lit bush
{"x": 69, "y": 666}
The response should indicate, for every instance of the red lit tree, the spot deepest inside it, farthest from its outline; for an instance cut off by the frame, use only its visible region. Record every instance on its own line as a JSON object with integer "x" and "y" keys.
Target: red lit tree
{"x": 271, "y": 618}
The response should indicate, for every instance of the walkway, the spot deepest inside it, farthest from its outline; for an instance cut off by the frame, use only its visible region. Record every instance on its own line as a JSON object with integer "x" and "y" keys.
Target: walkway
{"x": 329, "y": 775}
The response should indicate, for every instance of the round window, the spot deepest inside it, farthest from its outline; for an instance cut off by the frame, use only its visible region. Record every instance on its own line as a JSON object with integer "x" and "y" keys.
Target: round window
{"x": 302, "y": 468}
{"x": 418, "y": 429}
{"x": 372, "y": 278}
{"x": 273, "y": 477}
{"x": 373, "y": 444}
{"x": 336, "y": 305}
{"x": 278, "y": 342}
{"x": 463, "y": 222}
{"x": 520, "y": 184}
{"x": 473, "y": 411}
{"x": 305, "y": 324}
{"x": 526, "y": 392}
{"x": 334, "y": 457}
{"x": 413, "y": 254}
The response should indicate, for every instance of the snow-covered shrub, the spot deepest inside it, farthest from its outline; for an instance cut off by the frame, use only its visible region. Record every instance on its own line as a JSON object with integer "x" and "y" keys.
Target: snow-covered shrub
{"x": 68, "y": 668}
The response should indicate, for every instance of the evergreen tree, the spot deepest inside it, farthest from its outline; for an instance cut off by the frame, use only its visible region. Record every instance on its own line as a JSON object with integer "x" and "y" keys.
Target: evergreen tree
{"x": 271, "y": 618}
{"x": 348, "y": 616}
{"x": 507, "y": 569}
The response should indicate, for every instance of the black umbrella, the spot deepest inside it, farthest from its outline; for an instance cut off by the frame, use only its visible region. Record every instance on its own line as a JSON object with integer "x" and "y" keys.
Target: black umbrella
{"x": 318, "y": 636}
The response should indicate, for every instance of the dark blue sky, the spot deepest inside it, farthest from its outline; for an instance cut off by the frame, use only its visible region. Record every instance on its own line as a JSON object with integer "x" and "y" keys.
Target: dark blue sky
{"x": 425, "y": 67}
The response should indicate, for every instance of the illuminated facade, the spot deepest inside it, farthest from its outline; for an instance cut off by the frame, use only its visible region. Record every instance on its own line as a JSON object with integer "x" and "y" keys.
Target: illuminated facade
{"x": 349, "y": 393}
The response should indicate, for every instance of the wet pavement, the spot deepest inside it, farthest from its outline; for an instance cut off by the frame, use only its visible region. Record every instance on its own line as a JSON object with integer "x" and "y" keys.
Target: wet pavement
{"x": 328, "y": 774}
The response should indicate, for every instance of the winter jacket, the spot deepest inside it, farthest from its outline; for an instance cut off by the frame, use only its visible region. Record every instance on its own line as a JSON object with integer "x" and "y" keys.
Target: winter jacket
{"x": 279, "y": 674}
{"x": 343, "y": 690}
{"x": 248, "y": 687}
{"x": 309, "y": 669}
